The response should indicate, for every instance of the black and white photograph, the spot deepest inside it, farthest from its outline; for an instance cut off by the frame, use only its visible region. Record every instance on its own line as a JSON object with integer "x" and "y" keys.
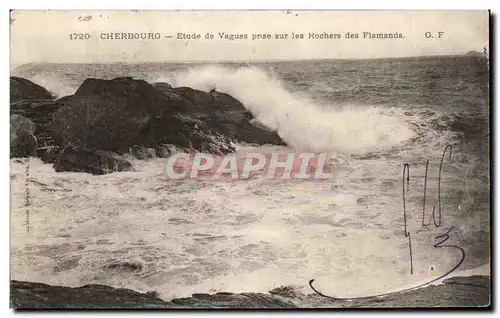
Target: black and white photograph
{"x": 273, "y": 159}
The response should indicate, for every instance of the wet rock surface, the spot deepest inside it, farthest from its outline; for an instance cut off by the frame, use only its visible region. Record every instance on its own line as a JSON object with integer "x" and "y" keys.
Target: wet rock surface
{"x": 90, "y": 161}
{"x": 130, "y": 116}
{"x": 107, "y": 114}
{"x": 223, "y": 113}
{"x": 23, "y": 142}
{"x": 35, "y": 103}
{"x": 473, "y": 291}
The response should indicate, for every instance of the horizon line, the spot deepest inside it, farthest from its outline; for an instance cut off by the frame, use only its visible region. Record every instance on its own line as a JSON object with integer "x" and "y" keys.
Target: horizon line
{"x": 253, "y": 61}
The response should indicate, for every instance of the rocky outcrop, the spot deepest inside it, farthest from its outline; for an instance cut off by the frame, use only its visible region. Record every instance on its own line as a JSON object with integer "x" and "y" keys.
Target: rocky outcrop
{"x": 123, "y": 113}
{"x": 90, "y": 161}
{"x": 35, "y": 103}
{"x": 471, "y": 291}
{"x": 23, "y": 89}
{"x": 40, "y": 112}
{"x": 232, "y": 300}
{"x": 26, "y": 295}
{"x": 222, "y": 113}
{"x": 185, "y": 133}
{"x": 196, "y": 97}
{"x": 162, "y": 86}
{"x": 23, "y": 142}
{"x": 126, "y": 115}
{"x": 107, "y": 115}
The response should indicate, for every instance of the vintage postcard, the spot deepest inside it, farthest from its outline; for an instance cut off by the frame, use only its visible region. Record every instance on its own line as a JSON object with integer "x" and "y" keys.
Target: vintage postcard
{"x": 250, "y": 159}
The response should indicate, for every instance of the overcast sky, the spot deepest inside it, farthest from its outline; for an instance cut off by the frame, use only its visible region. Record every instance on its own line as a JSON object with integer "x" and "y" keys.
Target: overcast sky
{"x": 43, "y": 36}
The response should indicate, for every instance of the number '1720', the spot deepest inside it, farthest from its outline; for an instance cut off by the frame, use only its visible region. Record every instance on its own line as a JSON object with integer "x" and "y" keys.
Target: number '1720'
{"x": 79, "y": 36}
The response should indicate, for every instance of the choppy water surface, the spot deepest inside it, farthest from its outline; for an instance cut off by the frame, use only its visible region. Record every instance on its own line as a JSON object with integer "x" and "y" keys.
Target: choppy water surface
{"x": 138, "y": 230}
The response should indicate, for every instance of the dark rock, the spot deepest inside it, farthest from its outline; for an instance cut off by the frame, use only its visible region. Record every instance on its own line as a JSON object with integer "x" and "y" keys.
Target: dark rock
{"x": 23, "y": 89}
{"x": 107, "y": 114}
{"x": 25, "y": 145}
{"x": 473, "y": 291}
{"x": 227, "y": 100}
{"x": 233, "y": 119}
{"x": 223, "y": 114}
{"x": 141, "y": 152}
{"x": 163, "y": 86}
{"x": 40, "y": 112}
{"x": 285, "y": 291}
{"x": 65, "y": 100}
{"x": 230, "y": 300}
{"x": 195, "y": 96}
{"x": 21, "y": 123}
{"x": 91, "y": 161}
{"x": 124, "y": 267}
{"x": 48, "y": 154}
{"x": 126, "y": 115}
{"x": 139, "y": 93}
{"x": 185, "y": 133}
{"x": 26, "y": 295}
{"x": 176, "y": 102}
{"x": 23, "y": 142}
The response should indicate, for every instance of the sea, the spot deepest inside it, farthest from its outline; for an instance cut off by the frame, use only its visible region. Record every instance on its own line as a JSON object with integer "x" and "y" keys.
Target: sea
{"x": 402, "y": 134}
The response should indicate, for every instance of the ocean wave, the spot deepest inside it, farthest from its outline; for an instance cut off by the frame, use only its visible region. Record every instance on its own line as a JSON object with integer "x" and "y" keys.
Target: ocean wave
{"x": 304, "y": 124}
{"x": 53, "y": 83}
{"x": 299, "y": 121}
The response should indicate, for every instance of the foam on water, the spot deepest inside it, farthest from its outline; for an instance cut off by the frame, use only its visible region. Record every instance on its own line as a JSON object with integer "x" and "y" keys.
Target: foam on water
{"x": 53, "y": 84}
{"x": 195, "y": 236}
{"x": 252, "y": 235}
{"x": 301, "y": 123}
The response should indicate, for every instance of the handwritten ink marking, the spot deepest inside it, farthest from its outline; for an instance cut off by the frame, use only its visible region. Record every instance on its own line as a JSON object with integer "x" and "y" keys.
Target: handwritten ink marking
{"x": 425, "y": 194}
{"x": 27, "y": 194}
{"x": 442, "y": 237}
{"x": 440, "y": 211}
{"x": 406, "y": 172}
{"x": 446, "y": 237}
{"x": 437, "y": 245}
